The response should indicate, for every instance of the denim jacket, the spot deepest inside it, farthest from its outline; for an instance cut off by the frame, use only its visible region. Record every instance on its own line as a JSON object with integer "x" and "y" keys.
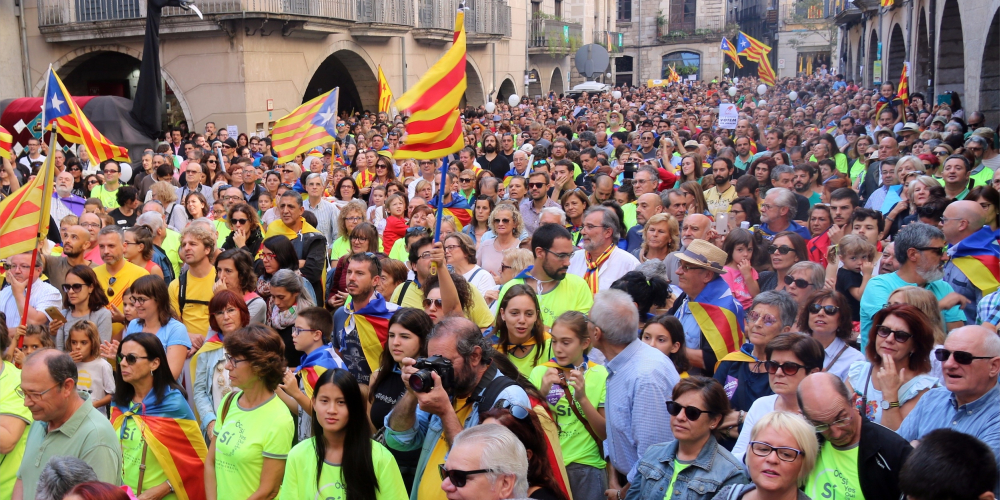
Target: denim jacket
{"x": 711, "y": 471}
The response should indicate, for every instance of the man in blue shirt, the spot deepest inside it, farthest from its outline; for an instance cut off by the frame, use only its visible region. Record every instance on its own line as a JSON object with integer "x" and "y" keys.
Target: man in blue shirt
{"x": 777, "y": 214}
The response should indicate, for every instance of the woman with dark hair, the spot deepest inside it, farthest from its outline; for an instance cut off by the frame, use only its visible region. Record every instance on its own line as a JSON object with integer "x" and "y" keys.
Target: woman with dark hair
{"x": 139, "y": 249}
{"x": 363, "y": 238}
{"x": 253, "y": 435}
{"x": 826, "y": 316}
{"x": 245, "y": 225}
{"x": 435, "y": 305}
{"x": 761, "y": 170}
{"x": 520, "y": 331}
{"x": 528, "y": 429}
{"x": 649, "y": 294}
{"x": 272, "y": 179}
{"x": 833, "y": 152}
{"x": 83, "y": 300}
{"x": 792, "y": 139}
{"x": 691, "y": 169}
{"x": 989, "y": 199}
{"x": 341, "y": 460}
{"x": 234, "y": 272}
{"x": 786, "y": 249}
{"x": 574, "y": 203}
{"x": 745, "y": 209}
{"x": 196, "y": 206}
{"x": 819, "y": 219}
{"x": 161, "y": 447}
{"x": 897, "y": 371}
{"x": 227, "y": 312}
{"x": 666, "y": 334}
{"x": 697, "y": 408}
{"x": 347, "y": 190}
{"x": 278, "y": 253}
{"x": 408, "y": 330}
{"x": 242, "y": 140}
{"x": 155, "y": 314}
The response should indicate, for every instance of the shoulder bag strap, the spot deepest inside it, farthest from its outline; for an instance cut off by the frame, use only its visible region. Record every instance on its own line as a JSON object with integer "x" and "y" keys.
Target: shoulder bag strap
{"x": 225, "y": 408}
{"x": 182, "y": 292}
{"x": 402, "y": 293}
{"x": 835, "y": 358}
{"x": 576, "y": 411}
{"x": 864, "y": 395}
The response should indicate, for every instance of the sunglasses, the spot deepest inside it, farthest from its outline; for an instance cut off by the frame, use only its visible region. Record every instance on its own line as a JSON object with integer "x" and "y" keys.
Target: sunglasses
{"x": 74, "y": 169}
{"x": 111, "y": 283}
{"x": 498, "y": 220}
{"x": 816, "y": 308}
{"x": 92, "y": 183}
{"x": 937, "y": 250}
{"x": 106, "y": 172}
{"x": 783, "y": 249}
{"x": 941, "y": 153}
{"x": 900, "y": 336}
{"x": 801, "y": 283}
{"x": 691, "y": 412}
{"x": 961, "y": 357}
{"x": 536, "y": 185}
{"x": 240, "y": 222}
{"x": 416, "y": 230}
{"x": 76, "y": 287}
{"x": 754, "y": 316}
{"x": 131, "y": 358}
{"x": 428, "y": 302}
{"x": 788, "y": 368}
{"x": 517, "y": 411}
{"x": 459, "y": 477}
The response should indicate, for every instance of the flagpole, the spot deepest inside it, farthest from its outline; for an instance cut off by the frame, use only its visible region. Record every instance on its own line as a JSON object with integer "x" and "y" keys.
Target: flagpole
{"x": 440, "y": 207}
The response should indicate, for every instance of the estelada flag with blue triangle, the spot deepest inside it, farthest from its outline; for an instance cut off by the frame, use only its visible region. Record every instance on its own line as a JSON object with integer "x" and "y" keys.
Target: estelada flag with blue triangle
{"x": 728, "y": 49}
{"x": 309, "y": 125}
{"x": 73, "y": 125}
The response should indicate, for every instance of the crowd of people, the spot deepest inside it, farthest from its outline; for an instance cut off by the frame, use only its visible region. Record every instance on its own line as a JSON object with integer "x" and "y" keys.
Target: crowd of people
{"x": 601, "y": 296}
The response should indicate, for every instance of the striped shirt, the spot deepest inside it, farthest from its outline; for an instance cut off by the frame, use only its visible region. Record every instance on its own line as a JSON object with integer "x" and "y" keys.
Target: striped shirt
{"x": 326, "y": 219}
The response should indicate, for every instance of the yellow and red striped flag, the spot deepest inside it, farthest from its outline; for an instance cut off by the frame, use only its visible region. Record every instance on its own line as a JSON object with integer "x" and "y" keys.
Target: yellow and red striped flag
{"x": 729, "y": 50}
{"x": 887, "y": 3}
{"x": 6, "y": 141}
{"x": 73, "y": 125}
{"x": 384, "y": 93}
{"x": 311, "y": 124}
{"x": 903, "y": 91}
{"x": 25, "y": 213}
{"x": 434, "y": 129}
{"x": 764, "y": 70}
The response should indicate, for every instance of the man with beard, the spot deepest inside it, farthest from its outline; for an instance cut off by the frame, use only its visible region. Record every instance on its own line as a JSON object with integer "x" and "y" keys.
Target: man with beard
{"x": 65, "y": 202}
{"x": 75, "y": 239}
{"x": 843, "y": 201}
{"x": 191, "y": 292}
{"x": 492, "y": 160}
{"x": 920, "y": 252}
{"x": 722, "y": 194}
{"x": 602, "y": 262}
{"x": 557, "y": 291}
{"x": 537, "y": 199}
{"x": 803, "y": 183}
{"x": 364, "y": 273}
{"x": 429, "y": 421}
{"x": 118, "y": 273}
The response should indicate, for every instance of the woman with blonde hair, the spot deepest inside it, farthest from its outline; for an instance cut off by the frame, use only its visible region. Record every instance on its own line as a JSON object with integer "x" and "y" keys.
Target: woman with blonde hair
{"x": 507, "y": 225}
{"x": 660, "y": 237}
{"x": 166, "y": 194}
{"x": 352, "y": 214}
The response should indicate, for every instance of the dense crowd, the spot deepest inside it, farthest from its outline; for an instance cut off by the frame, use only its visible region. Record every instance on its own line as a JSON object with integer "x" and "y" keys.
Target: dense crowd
{"x": 602, "y": 296}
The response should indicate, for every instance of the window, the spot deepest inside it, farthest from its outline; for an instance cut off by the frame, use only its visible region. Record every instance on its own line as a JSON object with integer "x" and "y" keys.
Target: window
{"x": 624, "y": 10}
{"x": 558, "y": 9}
{"x": 682, "y": 14}
{"x": 685, "y": 63}
{"x": 623, "y": 64}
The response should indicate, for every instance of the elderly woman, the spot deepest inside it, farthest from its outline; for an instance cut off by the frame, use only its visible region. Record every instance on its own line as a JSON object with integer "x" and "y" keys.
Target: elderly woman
{"x": 697, "y": 409}
{"x": 227, "y": 312}
{"x": 146, "y": 389}
{"x": 790, "y": 358}
{"x": 507, "y": 226}
{"x": 287, "y": 298}
{"x": 660, "y": 237}
{"x": 826, "y": 316}
{"x": 897, "y": 372}
{"x": 783, "y": 449}
{"x": 278, "y": 253}
{"x": 175, "y": 214}
{"x": 803, "y": 279}
{"x": 786, "y": 249}
{"x": 460, "y": 252}
{"x": 352, "y": 214}
{"x": 243, "y": 221}
{"x": 515, "y": 261}
{"x": 253, "y": 435}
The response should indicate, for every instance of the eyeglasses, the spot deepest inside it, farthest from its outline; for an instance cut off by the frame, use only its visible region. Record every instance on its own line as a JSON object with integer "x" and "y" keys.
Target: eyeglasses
{"x": 517, "y": 411}
{"x": 92, "y": 182}
{"x": 941, "y": 153}
{"x": 785, "y": 454}
{"x": 138, "y": 301}
{"x": 754, "y": 316}
{"x": 823, "y": 427}
{"x": 498, "y": 220}
{"x": 961, "y": 357}
{"x": 800, "y": 283}
{"x": 228, "y": 310}
{"x": 267, "y": 256}
{"x": 816, "y": 308}
{"x": 504, "y": 267}
{"x": 560, "y": 256}
{"x": 76, "y": 287}
{"x": 435, "y": 302}
{"x": 691, "y": 412}
{"x": 937, "y": 250}
{"x": 34, "y": 396}
{"x": 131, "y": 358}
{"x": 74, "y": 169}
{"x": 233, "y": 361}
{"x": 296, "y": 331}
{"x": 783, "y": 249}
{"x": 459, "y": 477}
{"x": 111, "y": 283}
{"x": 788, "y": 368}
{"x": 353, "y": 219}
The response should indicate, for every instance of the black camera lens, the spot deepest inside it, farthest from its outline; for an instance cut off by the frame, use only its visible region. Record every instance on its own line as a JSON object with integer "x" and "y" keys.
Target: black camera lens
{"x": 422, "y": 381}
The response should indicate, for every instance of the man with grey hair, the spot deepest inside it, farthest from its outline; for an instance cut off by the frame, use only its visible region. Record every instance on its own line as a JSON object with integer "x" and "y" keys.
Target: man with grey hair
{"x": 552, "y": 215}
{"x": 783, "y": 176}
{"x": 602, "y": 262}
{"x": 887, "y": 194}
{"x": 154, "y": 222}
{"x": 326, "y": 213}
{"x": 310, "y": 245}
{"x": 60, "y": 475}
{"x": 496, "y": 451}
{"x": 65, "y": 423}
{"x": 520, "y": 166}
{"x": 777, "y": 214}
{"x": 194, "y": 175}
{"x": 920, "y": 253}
{"x": 444, "y": 410}
{"x": 170, "y": 240}
{"x": 489, "y": 187}
{"x": 803, "y": 279}
{"x": 43, "y": 295}
{"x": 640, "y": 380}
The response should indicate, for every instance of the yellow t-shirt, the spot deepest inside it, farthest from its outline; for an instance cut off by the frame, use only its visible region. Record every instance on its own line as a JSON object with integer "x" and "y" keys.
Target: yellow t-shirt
{"x": 526, "y": 364}
{"x": 300, "y": 475}
{"x": 245, "y": 439}
{"x": 430, "y": 482}
{"x": 11, "y": 405}
{"x": 479, "y": 313}
{"x": 572, "y": 294}
{"x": 195, "y": 316}
{"x": 720, "y": 202}
{"x": 123, "y": 280}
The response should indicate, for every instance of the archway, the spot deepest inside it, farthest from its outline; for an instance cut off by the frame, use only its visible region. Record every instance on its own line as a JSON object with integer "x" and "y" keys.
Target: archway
{"x": 870, "y": 76}
{"x": 349, "y": 71}
{"x": 857, "y": 71}
{"x": 989, "y": 86}
{"x": 557, "y": 84}
{"x": 950, "y": 74}
{"x": 535, "y": 87}
{"x": 507, "y": 89}
{"x": 474, "y": 96}
{"x": 897, "y": 55}
{"x": 921, "y": 68}
{"x": 684, "y": 63}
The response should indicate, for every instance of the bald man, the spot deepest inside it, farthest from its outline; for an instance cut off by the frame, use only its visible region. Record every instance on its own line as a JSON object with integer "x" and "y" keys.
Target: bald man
{"x": 967, "y": 236}
{"x": 646, "y": 206}
{"x": 887, "y": 148}
{"x": 695, "y": 227}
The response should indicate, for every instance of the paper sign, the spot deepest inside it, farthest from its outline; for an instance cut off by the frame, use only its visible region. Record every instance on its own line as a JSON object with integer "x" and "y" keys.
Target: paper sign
{"x": 728, "y": 115}
{"x": 233, "y": 131}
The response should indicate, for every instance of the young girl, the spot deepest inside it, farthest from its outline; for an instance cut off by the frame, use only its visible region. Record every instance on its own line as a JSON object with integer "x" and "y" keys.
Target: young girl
{"x": 264, "y": 203}
{"x": 35, "y": 337}
{"x": 394, "y": 226}
{"x": 96, "y": 375}
{"x": 570, "y": 367}
{"x": 520, "y": 330}
{"x": 740, "y": 274}
{"x": 341, "y": 460}
{"x": 666, "y": 334}
{"x": 376, "y": 212}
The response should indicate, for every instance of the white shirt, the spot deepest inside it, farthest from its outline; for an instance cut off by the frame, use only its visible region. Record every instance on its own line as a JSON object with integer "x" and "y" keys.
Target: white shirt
{"x": 412, "y": 190}
{"x": 480, "y": 279}
{"x": 842, "y": 364}
{"x": 42, "y": 295}
{"x": 619, "y": 263}
{"x": 27, "y": 161}
{"x": 757, "y": 410}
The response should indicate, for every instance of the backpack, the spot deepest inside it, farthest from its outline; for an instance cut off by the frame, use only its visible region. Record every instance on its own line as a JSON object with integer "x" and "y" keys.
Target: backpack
{"x": 182, "y": 295}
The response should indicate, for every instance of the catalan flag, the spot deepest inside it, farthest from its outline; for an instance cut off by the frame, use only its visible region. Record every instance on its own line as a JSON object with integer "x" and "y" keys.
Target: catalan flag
{"x": 978, "y": 257}
{"x": 73, "y": 125}
{"x": 6, "y": 141}
{"x": 384, "y": 93}
{"x": 887, "y": 3}
{"x": 309, "y": 125}
{"x": 764, "y": 71}
{"x": 25, "y": 213}
{"x": 458, "y": 207}
{"x": 729, "y": 50}
{"x": 371, "y": 323}
{"x": 720, "y": 317}
{"x": 434, "y": 129}
{"x": 673, "y": 77}
{"x": 315, "y": 363}
{"x": 903, "y": 91}
{"x": 172, "y": 435}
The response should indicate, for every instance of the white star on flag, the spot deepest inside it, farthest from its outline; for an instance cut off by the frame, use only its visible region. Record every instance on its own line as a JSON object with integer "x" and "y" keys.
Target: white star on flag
{"x": 56, "y": 103}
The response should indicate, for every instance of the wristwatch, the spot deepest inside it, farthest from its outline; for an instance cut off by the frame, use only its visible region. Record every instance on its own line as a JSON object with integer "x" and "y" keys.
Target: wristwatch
{"x": 887, "y": 405}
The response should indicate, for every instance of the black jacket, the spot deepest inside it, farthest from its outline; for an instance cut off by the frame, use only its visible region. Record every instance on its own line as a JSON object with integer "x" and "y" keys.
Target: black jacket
{"x": 881, "y": 454}
{"x": 311, "y": 247}
{"x": 252, "y": 244}
{"x": 871, "y": 181}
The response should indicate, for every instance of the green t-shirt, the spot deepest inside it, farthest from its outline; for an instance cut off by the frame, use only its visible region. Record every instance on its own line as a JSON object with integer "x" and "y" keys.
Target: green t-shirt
{"x": 131, "y": 440}
{"x": 678, "y": 467}
{"x": 814, "y": 199}
{"x": 300, "y": 475}
{"x": 577, "y": 444}
{"x": 835, "y": 474}
{"x": 572, "y": 294}
{"x": 108, "y": 198}
{"x": 628, "y": 210}
{"x": 245, "y": 439}
{"x": 171, "y": 246}
{"x": 526, "y": 364}
{"x": 13, "y": 406}
{"x": 398, "y": 251}
{"x": 342, "y": 247}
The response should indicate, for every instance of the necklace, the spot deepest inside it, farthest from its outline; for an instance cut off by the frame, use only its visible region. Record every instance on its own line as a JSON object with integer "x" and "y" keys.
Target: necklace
{"x": 539, "y": 284}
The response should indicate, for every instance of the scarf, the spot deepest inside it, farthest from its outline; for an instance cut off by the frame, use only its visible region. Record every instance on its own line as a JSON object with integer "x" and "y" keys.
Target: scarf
{"x": 313, "y": 365}
{"x": 593, "y": 265}
{"x": 280, "y": 320}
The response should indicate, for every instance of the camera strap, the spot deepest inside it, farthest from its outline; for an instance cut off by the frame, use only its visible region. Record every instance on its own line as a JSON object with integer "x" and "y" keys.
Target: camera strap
{"x": 489, "y": 388}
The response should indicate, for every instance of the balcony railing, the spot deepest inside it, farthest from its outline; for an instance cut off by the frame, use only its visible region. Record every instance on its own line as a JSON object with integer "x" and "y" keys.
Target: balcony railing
{"x": 705, "y": 28}
{"x": 60, "y": 12}
{"x": 555, "y": 36}
{"x": 614, "y": 41}
{"x": 491, "y": 17}
{"x": 385, "y": 12}
{"x": 805, "y": 13}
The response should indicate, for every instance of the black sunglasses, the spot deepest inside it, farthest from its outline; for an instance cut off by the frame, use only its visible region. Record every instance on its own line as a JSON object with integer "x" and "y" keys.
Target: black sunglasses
{"x": 691, "y": 412}
{"x": 816, "y": 308}
{"x": 961, "y": 357}
{"x": 783, "y": 249}
{"x": 459, "y": 477}
{"x": 801, "y": 283}
{"x": 76, "y": 287}
{"x": 788, "y": 368}
{"x": 900, "y": 336}
{"x": 131, "y": 358}
{"x": 111, "y": 283}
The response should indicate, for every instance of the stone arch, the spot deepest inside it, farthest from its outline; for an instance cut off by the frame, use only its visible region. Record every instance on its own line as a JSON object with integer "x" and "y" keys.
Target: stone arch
{"x": 475, "y": 93}
{"x": 347, "y": 65}
{"x": 896, "y": 54}
{"x": 921, "y": 67}
{"x": 989, "y": 86}
{"x": 558, "y": 83}
{"x": 950, "y": 74}
{"x": 860, "y": 61}
{"x": 870, "y": 76}
{"x": 534, "y": 88}
{"x": 507, "y": 88}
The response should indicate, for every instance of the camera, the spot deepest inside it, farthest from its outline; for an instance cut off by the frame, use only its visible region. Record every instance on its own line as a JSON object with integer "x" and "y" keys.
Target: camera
{"x": 629, "y": 170}
{"x": 422, "y": 380}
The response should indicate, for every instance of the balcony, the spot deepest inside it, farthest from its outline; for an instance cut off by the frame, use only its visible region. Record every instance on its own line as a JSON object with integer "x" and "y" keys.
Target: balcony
{"x": 704, "y": 29}
{"x": 614, "y": 41}
{"x": 485, "y": 21}
{"x": 844, "y": 11}
{"x": 381, "y": 19}
{"x": 805, "y": 13}
{"x": 554, "y": 37}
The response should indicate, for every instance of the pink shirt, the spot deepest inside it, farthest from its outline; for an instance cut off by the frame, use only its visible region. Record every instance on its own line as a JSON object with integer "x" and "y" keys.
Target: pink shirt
{"x": 735, "y": 280}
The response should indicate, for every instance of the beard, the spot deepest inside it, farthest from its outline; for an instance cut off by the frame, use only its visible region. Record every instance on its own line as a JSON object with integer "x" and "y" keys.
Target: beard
{"x": 557, "y": 274}
{"x": 63, "y": 192}
{"x": 719, "y": 180}
{"x": 489, "y": 148}
{"x": 800, "y": 187}
{"x": 465, "y": 381}
{"x": 931, "y": 275}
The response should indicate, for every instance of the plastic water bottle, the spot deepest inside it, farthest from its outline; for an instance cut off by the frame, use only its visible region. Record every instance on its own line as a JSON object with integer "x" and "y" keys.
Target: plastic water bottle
{"x": 745, "y": 224}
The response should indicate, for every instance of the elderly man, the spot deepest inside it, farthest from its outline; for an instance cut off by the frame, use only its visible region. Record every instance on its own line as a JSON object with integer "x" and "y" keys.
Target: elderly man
{"x": 310, "y": 245}
{"x": 428, "y": 171}
{"x": 168, "y": 239}
{"x": 443, "y": 411}
{"x": 803, "y": 279}
{"x": 783, "y": 176}
{"x": 695, "y": 227}
{"x": 61, "y": 475}
{"x": 640, "y": 380}
{"x": 65, "y": 423}
{"x": 645, "y": 181}
{"x": 968, "y": 240}
{"x": 497, "y": 452}
{"x": 777, "y": 214}
{"x": 118, "y": 273}
{"x": 705, "y": 299}
{"x": 43, "y": 295}
{"x": 859, "y": 458}
{"x": 887, "y": 148}
{"x": 646, "y": 206}
{"x": 887, "y": 194}
{"x": 602, "y": 262}
{"x": 978, "y": 146}
{"x": 64, "y": 202}
{"x": 194, "y": 176}
{"x": 520, "y": 166}
{"x": 326, "y": 212}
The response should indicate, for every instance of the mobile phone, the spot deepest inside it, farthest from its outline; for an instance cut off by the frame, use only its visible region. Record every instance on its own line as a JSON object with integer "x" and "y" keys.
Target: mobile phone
{"x": 54, "y": 313}
{"x": 629, "y": 171}
{"x": 722, "y": 223}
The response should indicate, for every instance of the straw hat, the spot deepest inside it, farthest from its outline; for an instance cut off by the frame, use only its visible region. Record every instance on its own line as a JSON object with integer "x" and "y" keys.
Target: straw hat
{"x": 704, "y": 255}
